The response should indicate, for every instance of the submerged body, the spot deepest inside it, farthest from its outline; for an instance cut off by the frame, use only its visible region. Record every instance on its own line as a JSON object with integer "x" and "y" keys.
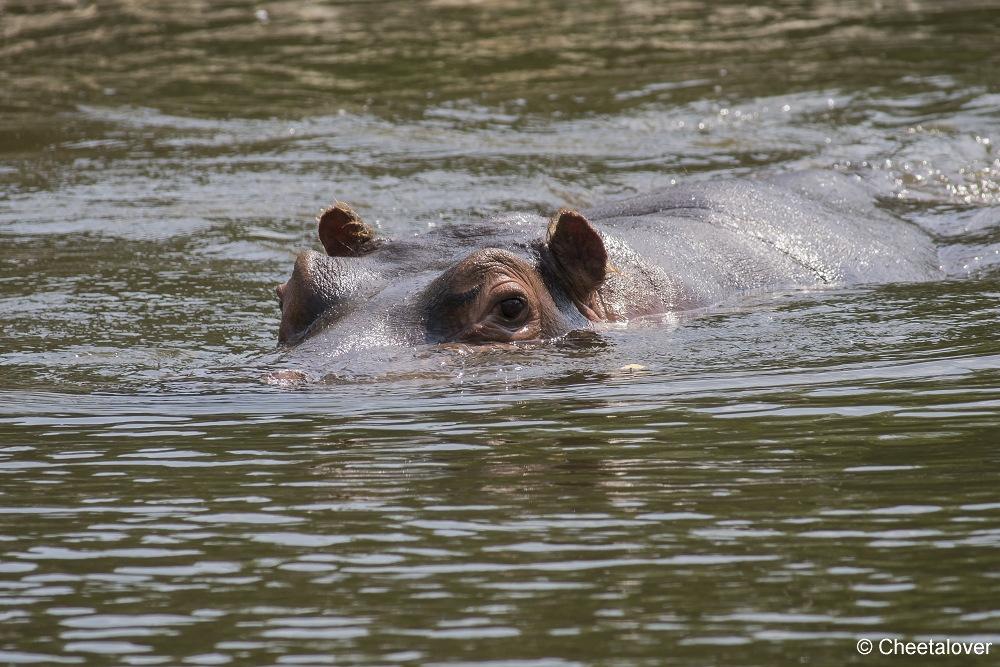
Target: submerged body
{"x": 521, "y": 277}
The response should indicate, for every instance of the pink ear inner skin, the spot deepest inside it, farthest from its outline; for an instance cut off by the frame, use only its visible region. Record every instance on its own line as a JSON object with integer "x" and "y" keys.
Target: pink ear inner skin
{"x": 581, "y": 257}
{"x": 342, "y": 232}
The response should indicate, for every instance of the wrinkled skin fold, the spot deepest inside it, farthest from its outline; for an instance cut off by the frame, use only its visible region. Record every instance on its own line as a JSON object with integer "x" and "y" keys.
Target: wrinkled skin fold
{"x": 520, "y": 277}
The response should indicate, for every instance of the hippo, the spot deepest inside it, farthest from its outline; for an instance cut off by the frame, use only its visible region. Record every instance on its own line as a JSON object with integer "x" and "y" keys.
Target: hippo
{"x": 520, "y": 277}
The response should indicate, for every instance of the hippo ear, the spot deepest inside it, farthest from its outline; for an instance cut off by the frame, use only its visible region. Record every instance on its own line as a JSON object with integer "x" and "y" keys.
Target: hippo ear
{"x": 580, "y": 256}
{"x": 342, "y": 232}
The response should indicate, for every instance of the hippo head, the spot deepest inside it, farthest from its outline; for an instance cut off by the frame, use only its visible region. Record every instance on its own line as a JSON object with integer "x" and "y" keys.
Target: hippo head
{"x": 514, "y": 278}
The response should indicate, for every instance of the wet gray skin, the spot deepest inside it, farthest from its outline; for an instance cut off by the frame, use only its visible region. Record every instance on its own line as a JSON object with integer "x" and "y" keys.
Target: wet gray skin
{"x": 520, "y": 277}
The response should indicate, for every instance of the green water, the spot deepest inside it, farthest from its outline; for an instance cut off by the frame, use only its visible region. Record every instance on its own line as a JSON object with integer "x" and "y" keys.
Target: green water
{"x": 784, "y": 476}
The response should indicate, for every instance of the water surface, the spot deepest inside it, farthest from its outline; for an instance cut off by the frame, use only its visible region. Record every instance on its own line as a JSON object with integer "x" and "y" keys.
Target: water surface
{"x": 784, "y": 475}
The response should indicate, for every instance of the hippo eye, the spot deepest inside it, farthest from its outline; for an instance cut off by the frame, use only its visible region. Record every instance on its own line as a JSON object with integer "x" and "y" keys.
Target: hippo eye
{"x": 511, "y": 308}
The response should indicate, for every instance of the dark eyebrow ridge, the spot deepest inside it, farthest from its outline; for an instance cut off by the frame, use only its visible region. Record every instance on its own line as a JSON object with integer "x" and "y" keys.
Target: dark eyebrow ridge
{"x": 450, "y": 300}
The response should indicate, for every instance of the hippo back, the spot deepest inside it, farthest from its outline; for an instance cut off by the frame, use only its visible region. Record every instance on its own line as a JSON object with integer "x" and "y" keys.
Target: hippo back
{"x": 715, "y": 238}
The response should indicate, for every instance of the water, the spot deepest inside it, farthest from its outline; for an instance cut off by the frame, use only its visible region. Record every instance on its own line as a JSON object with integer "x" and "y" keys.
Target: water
{"x": 766, "y": 482}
